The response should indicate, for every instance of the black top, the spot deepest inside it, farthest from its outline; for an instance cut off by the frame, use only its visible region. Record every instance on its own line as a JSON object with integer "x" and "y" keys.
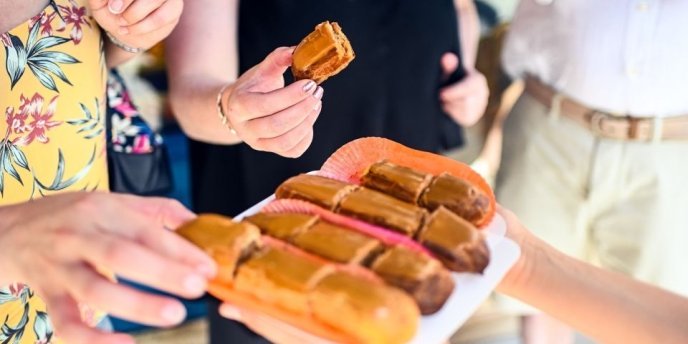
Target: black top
{"x": 391, "y": 90}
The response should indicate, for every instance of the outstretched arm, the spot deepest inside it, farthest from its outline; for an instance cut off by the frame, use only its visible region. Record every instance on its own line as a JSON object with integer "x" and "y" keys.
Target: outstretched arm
{"x": 607, "y": 306}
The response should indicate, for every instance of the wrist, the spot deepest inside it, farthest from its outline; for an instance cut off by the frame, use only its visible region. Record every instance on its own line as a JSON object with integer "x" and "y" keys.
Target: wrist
{"x": 222, "y": 108}
{"x": 117, "y": 42}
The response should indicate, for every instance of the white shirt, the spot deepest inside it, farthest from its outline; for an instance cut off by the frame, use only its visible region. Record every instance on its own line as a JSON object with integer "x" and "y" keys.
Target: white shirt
{"x": 620, "y": 56}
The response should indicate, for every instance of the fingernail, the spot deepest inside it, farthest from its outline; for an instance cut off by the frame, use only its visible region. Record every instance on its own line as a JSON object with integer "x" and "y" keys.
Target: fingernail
{"x": 174, "y": 313}
{"x": 318, "y": 93}
{"x": 207, "y": 270}
{"x": 194, "y": 284}
{"x": 116, "y": 6}
{"x": 308, "y": 86}
{"x": 123, "y": 31}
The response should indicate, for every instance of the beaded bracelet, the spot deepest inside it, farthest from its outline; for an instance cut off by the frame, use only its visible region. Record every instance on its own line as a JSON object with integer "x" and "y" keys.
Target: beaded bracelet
{"x": 221, "y": 111}
{"x": 123, "y": 46}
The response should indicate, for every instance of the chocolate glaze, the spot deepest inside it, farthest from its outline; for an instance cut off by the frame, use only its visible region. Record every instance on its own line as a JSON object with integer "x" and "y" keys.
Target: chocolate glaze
{"x": 455, "y": 241}
{"x": 283, "y": 226}
{"x": 322, "y": 191}
{"x": 424, "y": 278}
{"x": 337, "y": 243}
{"x": 401, "y": 182}
{"x": 457, "y": 195}
{"x": 383, "y": 210}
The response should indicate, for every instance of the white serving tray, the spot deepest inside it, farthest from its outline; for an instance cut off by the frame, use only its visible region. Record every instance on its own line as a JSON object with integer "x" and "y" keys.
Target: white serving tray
{"x": 470, "y": 290}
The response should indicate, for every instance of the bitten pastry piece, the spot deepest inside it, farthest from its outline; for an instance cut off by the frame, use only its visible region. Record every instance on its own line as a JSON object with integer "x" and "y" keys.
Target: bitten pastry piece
{"x": 383, "y": 210}
{"x": 322, "y": 54}
{"x": 423, "y": 277}
{"x": 282, "y": 226}
{"x": 322, "y": 191}
{"x": 455, "y": 241}
{"x": 457, "y": 195}
{"x": 338, "y": 244}
{"x": 401, "y": 182}
{"x": 375, "y": 312}
{"x": 278, "y": 276}
{"x": 228, "y": 242}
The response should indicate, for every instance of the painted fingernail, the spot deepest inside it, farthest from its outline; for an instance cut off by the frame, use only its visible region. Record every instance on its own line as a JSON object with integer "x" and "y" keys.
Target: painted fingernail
{"x": 318, "y": 93}
{"x": 308, "y": 86}
{"x": 123, "y": 31}
{"x": 194, "y": 284}
{"x": 116, "y": 6}
{"x": 174, "y": 313}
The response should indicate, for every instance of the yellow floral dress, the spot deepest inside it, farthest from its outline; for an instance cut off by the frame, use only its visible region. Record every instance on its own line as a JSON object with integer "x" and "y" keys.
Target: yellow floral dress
{"x": 52, "y": 136}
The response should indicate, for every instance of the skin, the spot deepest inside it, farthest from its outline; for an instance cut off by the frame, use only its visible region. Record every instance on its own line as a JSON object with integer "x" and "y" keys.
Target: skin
{"x": 264, "y": 113}
{"x": 198, "y": 71}
{"x": 57, "y": 242}
{"x": 466, "y": 100}
{"x": 606, "y": 306}
{"x": 136, "y": 23}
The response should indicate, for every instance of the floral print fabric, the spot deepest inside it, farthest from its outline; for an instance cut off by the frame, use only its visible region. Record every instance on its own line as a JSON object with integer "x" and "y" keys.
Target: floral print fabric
{"x": 52, "y": 134}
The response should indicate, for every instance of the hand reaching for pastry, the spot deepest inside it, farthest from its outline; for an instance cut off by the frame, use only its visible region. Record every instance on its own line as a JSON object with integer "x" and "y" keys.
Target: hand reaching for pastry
{"x": 268, "y": 116}
{"x": 466, "y": 100}
{"x": 137, "y": 23}
{"x": 56, "y": 243}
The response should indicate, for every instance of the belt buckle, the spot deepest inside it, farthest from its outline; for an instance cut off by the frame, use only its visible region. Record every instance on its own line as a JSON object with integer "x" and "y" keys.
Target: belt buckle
{"x": 596, "y": 119}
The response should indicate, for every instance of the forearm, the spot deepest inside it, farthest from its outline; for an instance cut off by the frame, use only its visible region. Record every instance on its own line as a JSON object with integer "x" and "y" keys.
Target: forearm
{"x": 115, "y": 56}
{"x": 607, "y": 306}
{"x": 469, "y": 31}
{"x": 199, "y": 68}
{"x": 7, "y": 219}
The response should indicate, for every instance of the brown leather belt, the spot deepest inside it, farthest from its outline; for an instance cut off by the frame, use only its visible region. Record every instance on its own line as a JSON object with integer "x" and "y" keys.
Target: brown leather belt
{"x": 607, "y": 125}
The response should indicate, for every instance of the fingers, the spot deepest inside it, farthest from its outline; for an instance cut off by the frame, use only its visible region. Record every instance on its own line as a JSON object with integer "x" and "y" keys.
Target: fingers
{"x": 91, "y": 288}
{"x": 64, "y": 313}
{"x": 473, "y": 84}
{"x": 275, "y": 330}
{"x": 168, "y": 213}
{"x": 259, "y": 105}
{"x": 138, "y": 10}
{"x": 301, "y": 147}
{"x": 277, "y": 62}
{"x": 164, "y": 16}
{"x": 449, "y": 63}
{"x": 136, "y": 262}
{"x": 293, "y": 140}
{"x": 285, "y": 119}
{"x": 118, "y": 6}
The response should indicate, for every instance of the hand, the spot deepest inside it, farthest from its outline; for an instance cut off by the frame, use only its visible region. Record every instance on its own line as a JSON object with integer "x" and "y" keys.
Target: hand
{"x": 268, "y": 116}
{"x": 274, "y": 330}
{"x": 529, "y": 244}
{"x": 137, "y": 23}
{"x": 466, "y": 100}
{"x": 55, "y": 245}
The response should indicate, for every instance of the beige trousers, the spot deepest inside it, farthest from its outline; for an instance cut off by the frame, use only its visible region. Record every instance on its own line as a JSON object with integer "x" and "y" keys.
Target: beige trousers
{"x": 620, "y": 205}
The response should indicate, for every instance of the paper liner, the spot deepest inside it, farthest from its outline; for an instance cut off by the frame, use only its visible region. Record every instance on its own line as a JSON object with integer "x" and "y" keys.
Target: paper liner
{"x": 386, "y": 236}
{"x": 350, "y": 162}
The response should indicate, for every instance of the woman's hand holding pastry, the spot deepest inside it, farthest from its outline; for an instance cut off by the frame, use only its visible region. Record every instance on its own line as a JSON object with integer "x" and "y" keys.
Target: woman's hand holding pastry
{"x": 268, "y": 116}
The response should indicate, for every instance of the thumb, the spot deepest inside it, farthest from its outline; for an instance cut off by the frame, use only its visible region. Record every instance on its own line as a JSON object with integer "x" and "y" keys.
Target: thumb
{"x": 449, "y": 62}
{"x": 277, "y": 62}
